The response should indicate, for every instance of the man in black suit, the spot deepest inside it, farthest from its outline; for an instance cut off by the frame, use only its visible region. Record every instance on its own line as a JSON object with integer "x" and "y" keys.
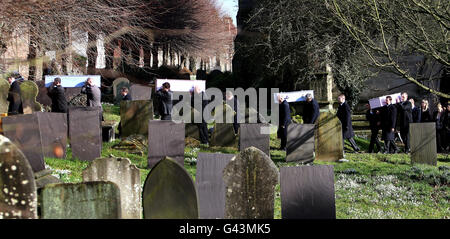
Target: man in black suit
{"x": 388, "y": 131}
{"x": 345, "y": 116}
{"x": 416, "y": 112}
{"x": 203, "y": 126}
{"x": 124, "y": 93}
{"x": 374, "y": 118}
{"x": 56, "y": 93}
{"x": 405, "y": 113}
{"x": 285, "y": 120}
{"x": 311, "y": 110}
{"x": 14, "y": 96}
{"x": 165, "y": 97}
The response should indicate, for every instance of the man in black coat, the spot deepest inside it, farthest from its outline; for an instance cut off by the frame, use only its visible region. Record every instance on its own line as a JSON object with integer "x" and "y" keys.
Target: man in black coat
{"x": 124, "y": 93}
{"x": 388, "y": 130}
{"x": 374, "y": 118}
{"x": 415, "y": 111}
{"x": 311, "y": 110}
{"x": 56, "y": 93}
{"x": 165, "y": 97}
{"x": 405, "y": 113}
{"x": 203, "y": 126}
{"x": 14, "y": 97}
{"x": 285, "y": 120}
{"x": 345, "y": 116}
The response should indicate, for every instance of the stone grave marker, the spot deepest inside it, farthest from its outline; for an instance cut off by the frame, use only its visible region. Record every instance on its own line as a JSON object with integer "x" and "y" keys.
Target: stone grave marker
{"x": 4, "y": 89}
{"x": 117, "y": 87}
{"x": 88, "y": 200}
{"x": 328, "y": 138}
{"x": 224, "y": 136}
{"x": 300, "y": 143}
{"x": 29, "y": 91}
{"x": 250, "y": 179}
{"x": 43, "y": 98}
{"x": 53, "y": 128}
{"x": 307, "y": 192}
{"x": 423, "y": 143}
{"x": 85, "y": 132}
{"x": 127, "y": 177}
{"x": 140, "y": 92}
{"x": 169, "y": 192}
{"x": 72, "y": 92}
{"x": 191, "y": 130}
{"x": 134, "y": 117}
{"x": 210, "y": 185}
{"x": 23, "y": 131}
{"x": 45, "y": 177}
{"x": 165, "y": 138}
{"x": 18, "y": 196}
{"x": 251, "y": 135}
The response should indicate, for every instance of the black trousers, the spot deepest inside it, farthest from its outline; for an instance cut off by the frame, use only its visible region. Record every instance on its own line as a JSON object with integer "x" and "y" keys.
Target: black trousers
{"x": 203, "y": 132}
{"x": 282, "y": 134}
{"x": 440, "y": 140}
{"x": 374, "y": 141}
{"x": 352, "y": 143}
{"x": 404, "y": 133}
{"x": 390, "y": 146}
{"x": 166, "y": 117}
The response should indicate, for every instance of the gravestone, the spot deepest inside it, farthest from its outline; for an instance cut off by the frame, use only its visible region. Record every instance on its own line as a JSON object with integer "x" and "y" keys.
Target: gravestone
{"x": 300, "y": 143}
{"x": 127, "y": 177}
{"x": 53, "y": 128}
{"x": 89, "y": 200}
{"x": 28, "y": 93}
{"x": 4, "y": 89}
{"x": 134, "y": 117}
{"x": 140, "y": 92}
{"x": 85, "y": 132}
{"x": 251, "y": 135}
{"x": 45, "y": 177}
{"x": 18, "y": 196}
{"x": 191, "y": 130}
{"x": 23, "y": 131}
{"x": 423, "y": 143}
{"x": 73, "y": 92}
{"x": 250, "y": 179}
{"x": 165, "y": 138}
{"x": 169, "y": 192}
{"x": 210, "y": 185}
{"x": 307, "y": 192}
{"x": 224, "y": 136}
{"x": 43, "y": 98}
{"x": 328, "y": 138}
{"x": 117, "y": 87}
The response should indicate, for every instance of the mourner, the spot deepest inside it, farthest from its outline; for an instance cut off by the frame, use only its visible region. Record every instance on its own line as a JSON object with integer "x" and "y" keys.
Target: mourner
{"x": 438, "y": 118}
{"x": 405, "y": 117}
{"x": 124, "y": 93}
{"x": 416, "y": 112}
{"x": 231, "y": 99}
{"x": 374, "y": 118}
{"x": 57, "y": 94}
{"x": 202, "y": 127}
{"x": 388, "y": 131}
{"x": 165, "y": 97}
{"x": 425, "y": 112}
{"x": 311, "y": 110}
{"x": 14, "y": 96}
{"x": 345, "y": 116}
{"x": 285, "y": 120}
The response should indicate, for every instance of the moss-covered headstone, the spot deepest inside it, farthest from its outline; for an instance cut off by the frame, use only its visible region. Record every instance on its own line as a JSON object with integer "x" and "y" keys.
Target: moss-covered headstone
{"x": 29, "y": 92}
{"x": 423, "y": 143}
{"x": 134, "y": 117}
{"x": 328, "y": 138}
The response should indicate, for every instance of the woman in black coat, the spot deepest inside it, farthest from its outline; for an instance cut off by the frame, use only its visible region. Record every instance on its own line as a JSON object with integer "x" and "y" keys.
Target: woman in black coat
{"x": 425, "y": 112}
{"x": 439, "y": 119}
{"x": 388, "y": 129}
{"x": 345, "y": 116}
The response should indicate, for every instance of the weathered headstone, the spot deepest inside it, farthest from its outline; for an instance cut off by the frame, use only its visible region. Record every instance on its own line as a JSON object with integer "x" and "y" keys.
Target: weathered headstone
{"x": 224, "y": 136}
{"x": 45, "y": 177}
{"x": 23, "y": 131}
{"x": 192, "y": 131}
{"x": 307, "y": 192}
{"x": 165, "y": 138}
{"x": 72, "y": 92}
{"x": 169, "y": 192}
{"x": 252, "y": 135}
{"x": 210, "y": 185}
{"x": 328, "y": 138}
{"x": 423, "y": 143}
{"x": 4, "y": 89}
{"x": 250, "y": 180}
{"x": 43, "y": 98}
{"x": 140, "y": 92}
{"x": 117, "y": 87}
{"x": 127, "y": 177}
{"x": 89, "y": 200}
{"x": 134, "y": 117}
{"x": 85, "y": 133}
{"x": 300, "y": 143}
{"x": 18, "y": 196}
{"x": 28, "y": 93}
{"x": 53, "y": 128}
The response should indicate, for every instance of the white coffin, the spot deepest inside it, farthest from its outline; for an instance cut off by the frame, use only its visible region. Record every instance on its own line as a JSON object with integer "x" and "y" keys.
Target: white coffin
{"x": 72, "y": 81}
{"x": 381, "y": 101}
{"x": 294, "y": 96}
{"x": 181, "y": 85}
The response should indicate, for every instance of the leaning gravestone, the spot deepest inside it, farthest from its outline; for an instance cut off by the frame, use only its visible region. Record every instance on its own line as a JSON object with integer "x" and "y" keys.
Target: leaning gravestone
{"x": 23, "y": 131}
{"x": 28, "y": 93}
{"x": 85, "y": 132}
{"x": 328, "y": 138}
{"x": 250, "y": 179}
{"x": 134, "y": 117}
{"x": 127, "y": 177}
{"x": 210, "y": 185}
{"x": 89, "y": 200}
{"x": 18, "y": 196}
{"x": 169, "y": 192}
{"x": 53, "y": 128}
{"x": 140, "y": 92}
{"x": 165, "y": 138}
{"x": 307, "y": 192}
{"x": 423, "y": 143}
{"x": 252, "y": 135}
{"x": 117, "y": 88}
{"x": 4, "y": 89}
{"x": 300, "y": 143}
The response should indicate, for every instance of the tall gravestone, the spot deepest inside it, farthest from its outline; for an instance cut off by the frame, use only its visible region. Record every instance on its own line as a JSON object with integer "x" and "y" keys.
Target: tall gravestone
{"x": 250, "y": 179}
{"x": 224, "y": 136}
{"x": 169, "y": 192}
{"x": 307, "y": 192}
{"x": 117, "y": 87}
{"x": 4, "y": 89}
{"x": 328, "y": 138}
{"x": 18, "y": 196}
{"x": 253, "y": 135}
{"x": 134, "y": 117}
{"x": 423, "y": 143}
{"x": 89, "y": 200}
{"x": 127, "y": 177}
{"x": 140, "y": 92}
{"x": 165, "y": 138}
{"x": 23, "y": 131}
{"x": 85, "y": 132}
{"x": 28, "y": 93}
{"x": 43, "y": 98}
{"x": 300, "y": 143}
{"x": 53, "y": 128}
{"x": 210, "y": 185}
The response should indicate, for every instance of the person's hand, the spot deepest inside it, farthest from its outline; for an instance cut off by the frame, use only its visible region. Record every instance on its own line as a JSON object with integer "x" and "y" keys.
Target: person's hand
{"x": 393, "y": 129}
